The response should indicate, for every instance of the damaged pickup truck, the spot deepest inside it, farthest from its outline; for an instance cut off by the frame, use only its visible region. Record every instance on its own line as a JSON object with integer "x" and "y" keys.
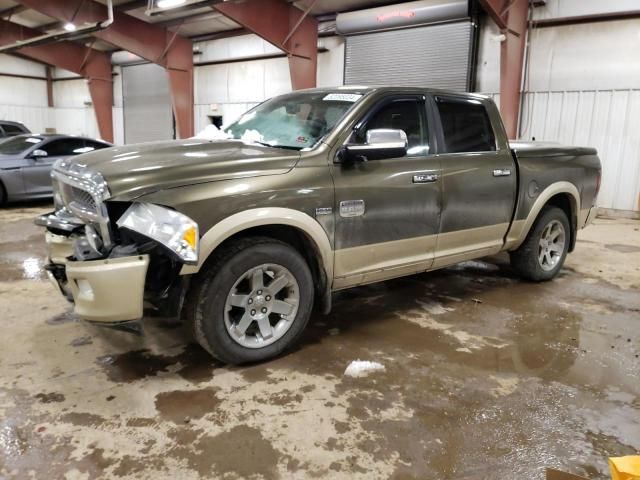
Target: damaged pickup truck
{"x": 308, "y": 193}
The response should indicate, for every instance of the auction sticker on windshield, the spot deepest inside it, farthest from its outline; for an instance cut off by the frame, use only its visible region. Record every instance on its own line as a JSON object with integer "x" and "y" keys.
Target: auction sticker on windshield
{"x": 342, "y": 97}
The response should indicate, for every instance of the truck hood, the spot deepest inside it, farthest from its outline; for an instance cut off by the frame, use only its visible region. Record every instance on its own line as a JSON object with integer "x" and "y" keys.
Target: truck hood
{"x": 136, "y": 170}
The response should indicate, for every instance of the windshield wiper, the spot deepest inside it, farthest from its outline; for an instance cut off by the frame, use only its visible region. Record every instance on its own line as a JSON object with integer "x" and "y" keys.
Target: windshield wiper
{"x": 286, "y": 147}
{"x": 265, "y": 144}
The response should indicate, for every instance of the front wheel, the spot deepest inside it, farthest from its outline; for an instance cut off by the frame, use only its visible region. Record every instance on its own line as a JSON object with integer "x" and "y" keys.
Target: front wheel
{"x": 543, "y": 253}
{"x": 252, "y": 302}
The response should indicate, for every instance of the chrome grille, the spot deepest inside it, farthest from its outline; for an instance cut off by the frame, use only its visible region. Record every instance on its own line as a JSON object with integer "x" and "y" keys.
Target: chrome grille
{"x": 83, "y": 199}
{"x": 82, "y": 194}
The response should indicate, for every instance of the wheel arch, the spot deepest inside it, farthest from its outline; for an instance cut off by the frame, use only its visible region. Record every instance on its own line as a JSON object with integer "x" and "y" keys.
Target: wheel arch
{"x": 300, "y": 230}
{"x": 563, "y": 195}
{"x": 4, "y": 195}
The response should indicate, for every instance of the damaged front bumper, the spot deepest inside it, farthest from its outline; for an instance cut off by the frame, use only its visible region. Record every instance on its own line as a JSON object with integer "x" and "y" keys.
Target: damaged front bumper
{"x": 108, "y": 290}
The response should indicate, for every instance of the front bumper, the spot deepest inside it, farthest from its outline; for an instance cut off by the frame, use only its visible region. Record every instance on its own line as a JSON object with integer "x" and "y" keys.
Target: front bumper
{"x": 108, "y": 290}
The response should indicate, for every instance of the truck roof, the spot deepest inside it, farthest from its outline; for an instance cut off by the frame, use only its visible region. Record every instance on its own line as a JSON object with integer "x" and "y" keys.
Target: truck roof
{"x": 391, "y": 89}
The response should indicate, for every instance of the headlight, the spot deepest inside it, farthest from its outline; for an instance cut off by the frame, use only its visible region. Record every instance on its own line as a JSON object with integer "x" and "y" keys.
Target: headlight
{"x": 172, "y": 229}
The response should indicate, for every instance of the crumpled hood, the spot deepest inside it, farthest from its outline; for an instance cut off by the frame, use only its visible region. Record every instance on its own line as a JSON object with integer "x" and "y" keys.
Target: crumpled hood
{"x": 134, "y": 170}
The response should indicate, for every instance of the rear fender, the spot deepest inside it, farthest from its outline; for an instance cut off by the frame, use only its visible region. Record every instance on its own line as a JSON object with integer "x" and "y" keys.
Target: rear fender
{"x": 520, "y": 228}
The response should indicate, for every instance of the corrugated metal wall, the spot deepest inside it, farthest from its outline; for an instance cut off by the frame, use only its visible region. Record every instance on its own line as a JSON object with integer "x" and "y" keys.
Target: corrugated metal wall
{"x": 608, "y": 120}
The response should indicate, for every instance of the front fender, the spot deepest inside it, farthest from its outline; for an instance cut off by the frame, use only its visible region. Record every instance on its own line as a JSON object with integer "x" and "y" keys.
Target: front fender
{"x": 257, "y": 217}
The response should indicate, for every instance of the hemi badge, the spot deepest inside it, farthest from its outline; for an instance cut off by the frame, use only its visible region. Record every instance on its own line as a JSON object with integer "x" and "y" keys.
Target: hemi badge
{"x": 324, "y": 211}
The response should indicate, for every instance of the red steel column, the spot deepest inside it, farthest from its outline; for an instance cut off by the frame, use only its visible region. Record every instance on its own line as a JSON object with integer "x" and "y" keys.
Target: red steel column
{"x": 151, "y": 42}
{"x": 511, "y": 18}
{"x": 90, "y": 63}
{"x": 284, "y": 26}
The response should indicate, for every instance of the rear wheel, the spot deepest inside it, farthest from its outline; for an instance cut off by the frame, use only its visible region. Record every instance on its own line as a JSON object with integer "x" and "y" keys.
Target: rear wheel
{"x": 544, "y": 251}
{"x": 252, "y": 302}
{"x": 3, "y": 195}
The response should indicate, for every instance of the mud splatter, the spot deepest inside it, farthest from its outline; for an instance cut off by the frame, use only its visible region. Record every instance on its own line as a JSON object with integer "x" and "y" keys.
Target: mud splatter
{"x": 180, "y": 406}
{"x": 52, "y": 397}
{"x": 80, "y": 341}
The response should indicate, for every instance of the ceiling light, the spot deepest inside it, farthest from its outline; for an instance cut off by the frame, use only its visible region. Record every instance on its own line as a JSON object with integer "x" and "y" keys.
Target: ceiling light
{"x": 69, "y": 27}
{"x": 169, "y": 3}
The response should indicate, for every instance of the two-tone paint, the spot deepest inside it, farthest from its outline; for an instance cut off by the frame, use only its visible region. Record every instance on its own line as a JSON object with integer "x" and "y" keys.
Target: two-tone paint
{"x": 412, "y": 214}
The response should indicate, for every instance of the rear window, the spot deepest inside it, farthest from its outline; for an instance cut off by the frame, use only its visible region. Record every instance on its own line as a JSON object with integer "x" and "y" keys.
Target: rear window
{"x": 466, "y": 126}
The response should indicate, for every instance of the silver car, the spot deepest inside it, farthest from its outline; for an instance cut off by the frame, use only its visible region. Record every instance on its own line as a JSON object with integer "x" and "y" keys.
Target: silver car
{"x": 26, "y": 160}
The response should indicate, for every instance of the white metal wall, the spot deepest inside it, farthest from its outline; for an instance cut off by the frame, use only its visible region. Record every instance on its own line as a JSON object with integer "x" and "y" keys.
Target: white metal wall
{"x": 583, "y": 89}
{"x": 608, "y": 120}
{"x": 230, "y": 89}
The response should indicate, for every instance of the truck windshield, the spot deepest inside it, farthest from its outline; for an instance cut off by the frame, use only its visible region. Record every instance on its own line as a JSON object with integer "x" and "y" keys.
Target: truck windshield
{"x": 18, "y": 144}
{"x": 294, "y": 121}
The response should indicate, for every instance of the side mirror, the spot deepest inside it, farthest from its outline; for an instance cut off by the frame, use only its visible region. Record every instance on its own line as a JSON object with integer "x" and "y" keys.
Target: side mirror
{"x": 38, "y": 153}
{"x": 381, "y": 143}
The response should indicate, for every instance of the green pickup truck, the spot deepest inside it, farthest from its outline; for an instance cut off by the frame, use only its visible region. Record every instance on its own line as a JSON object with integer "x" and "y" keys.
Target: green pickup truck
{"x": 243, "y": 235}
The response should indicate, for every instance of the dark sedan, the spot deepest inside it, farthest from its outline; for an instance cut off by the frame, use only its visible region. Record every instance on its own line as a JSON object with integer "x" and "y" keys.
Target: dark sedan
{"x": 26, "y": 160}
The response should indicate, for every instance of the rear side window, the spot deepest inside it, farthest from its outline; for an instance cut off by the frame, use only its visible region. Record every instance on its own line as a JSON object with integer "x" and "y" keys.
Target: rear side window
{"x": 10, "y": 129}
{"x": 64, "y": 147}
{"x": 466, "y": 126}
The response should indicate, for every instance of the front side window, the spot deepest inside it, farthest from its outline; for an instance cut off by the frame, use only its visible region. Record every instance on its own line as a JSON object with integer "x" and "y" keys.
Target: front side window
{"x": 293, "y": 121}
{"x": 402, "y": 114}
{"x": 466, "y": 126}
{"x": 19, "y": 144}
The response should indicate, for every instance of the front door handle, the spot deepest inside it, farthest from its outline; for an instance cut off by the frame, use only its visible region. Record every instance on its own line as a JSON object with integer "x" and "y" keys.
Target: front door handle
{"x": 502, "y": 172}
{"x": 425, "y": 177}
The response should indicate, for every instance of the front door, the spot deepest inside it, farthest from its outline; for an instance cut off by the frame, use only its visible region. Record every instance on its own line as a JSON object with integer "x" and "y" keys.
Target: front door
{"x": 479, "y": 180}
{"x": 387, "y": 210}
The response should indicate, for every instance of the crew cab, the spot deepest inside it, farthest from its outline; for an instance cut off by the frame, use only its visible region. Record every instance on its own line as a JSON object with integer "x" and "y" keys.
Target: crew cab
{"x": 306, "y": 194}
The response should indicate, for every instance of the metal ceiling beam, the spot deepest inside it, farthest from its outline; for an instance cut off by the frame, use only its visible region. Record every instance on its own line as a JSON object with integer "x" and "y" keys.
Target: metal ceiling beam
{"x": 91, "y": 64}
{"x": 128, "y": 6}
{"x": 285, "y": 26}
{"x": 151, "y": 42}
{"x": 511, "y": 16}
{"x": 15, "y": 10}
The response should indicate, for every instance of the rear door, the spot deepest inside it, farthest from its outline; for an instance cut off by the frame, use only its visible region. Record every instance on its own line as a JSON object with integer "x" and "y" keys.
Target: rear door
{"x": 386, "y": 210}
{"x": 37, "y": 172}
{"x": 479, "y": 179}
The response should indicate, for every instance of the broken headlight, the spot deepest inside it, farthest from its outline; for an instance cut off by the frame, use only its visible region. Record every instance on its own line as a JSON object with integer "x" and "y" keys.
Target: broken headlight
{"x": 175, "y": 231}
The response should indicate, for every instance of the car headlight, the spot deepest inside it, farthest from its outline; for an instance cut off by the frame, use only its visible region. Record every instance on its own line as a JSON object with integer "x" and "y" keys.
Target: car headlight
{"x": 172, "y": 229}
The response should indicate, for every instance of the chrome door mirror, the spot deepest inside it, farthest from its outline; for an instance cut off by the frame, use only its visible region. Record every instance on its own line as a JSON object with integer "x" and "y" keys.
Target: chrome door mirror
{"x": 38, "y": 153}
{"x": 381, "y": 143}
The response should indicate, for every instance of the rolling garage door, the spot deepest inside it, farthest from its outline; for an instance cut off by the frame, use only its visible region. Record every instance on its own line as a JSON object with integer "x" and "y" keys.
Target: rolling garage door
{"x": 427, "y": 43}
{"x": 146, "y": 103}
{"x": 436, "y": 56}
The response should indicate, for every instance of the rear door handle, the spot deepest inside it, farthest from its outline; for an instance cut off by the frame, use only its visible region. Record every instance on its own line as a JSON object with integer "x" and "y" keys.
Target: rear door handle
{"x": 502, "y": 172}
{"x": 425, "y": 177}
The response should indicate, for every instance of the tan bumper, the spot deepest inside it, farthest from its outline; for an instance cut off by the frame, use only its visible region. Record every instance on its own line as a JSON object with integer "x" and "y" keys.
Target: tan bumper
{"x": 109, "y": 290}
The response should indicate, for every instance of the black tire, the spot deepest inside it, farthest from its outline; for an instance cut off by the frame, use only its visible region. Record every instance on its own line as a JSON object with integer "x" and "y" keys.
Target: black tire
{"x": 205, "y": 304}
{"x": 3, "y": 195}
{"x": 526, "y": 259}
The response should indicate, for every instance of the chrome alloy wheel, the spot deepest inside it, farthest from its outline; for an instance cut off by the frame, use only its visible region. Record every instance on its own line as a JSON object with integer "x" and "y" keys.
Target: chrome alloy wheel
{"x": 551, "y": 245}
{"x": 261, "y": 306}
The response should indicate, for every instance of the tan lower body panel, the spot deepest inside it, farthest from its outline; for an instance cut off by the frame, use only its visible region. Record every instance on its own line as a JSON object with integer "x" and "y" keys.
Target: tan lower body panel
{"x": 383, "y": 261}
{"x": 109, "y": 290}
{"x": 380, "y": 261}
{"x": 454, "y": 247}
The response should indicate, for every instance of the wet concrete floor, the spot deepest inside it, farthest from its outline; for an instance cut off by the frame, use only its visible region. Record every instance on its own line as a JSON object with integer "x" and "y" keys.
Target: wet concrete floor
{"x": 486, "y": 377}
